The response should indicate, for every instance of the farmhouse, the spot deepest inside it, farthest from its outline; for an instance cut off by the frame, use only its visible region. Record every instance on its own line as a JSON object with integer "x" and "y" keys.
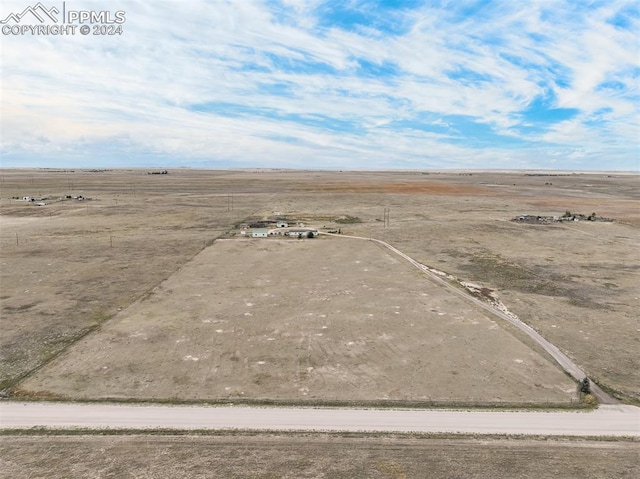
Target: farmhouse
{"x": 559, "y": 219}
{"x": 284, "y": 231}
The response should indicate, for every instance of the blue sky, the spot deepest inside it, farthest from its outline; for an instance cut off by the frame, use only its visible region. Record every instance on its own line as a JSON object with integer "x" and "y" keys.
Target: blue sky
{"x": 372, "y": 84}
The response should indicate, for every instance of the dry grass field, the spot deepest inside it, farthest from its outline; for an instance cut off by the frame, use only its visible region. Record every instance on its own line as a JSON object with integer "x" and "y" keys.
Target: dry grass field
{"x": 313, "y": 456}
{"x": 68, "y": 267}
{"x": 326, "y": 319}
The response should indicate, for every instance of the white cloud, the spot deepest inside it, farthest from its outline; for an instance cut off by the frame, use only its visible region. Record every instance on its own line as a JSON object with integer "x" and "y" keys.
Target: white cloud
{"x": 68, "y": 93}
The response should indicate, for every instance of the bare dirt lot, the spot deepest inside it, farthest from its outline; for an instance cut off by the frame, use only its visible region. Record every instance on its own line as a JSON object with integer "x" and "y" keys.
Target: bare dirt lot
{"x": 313, "y": 456}
{"x": 71, "y": 265}
{"x": 322, "y": 319}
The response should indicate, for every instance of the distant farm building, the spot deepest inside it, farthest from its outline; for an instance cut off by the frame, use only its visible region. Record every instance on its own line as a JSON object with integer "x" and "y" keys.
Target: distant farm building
{"x": 302, "y": 232}
{"x": 284, "y": 231}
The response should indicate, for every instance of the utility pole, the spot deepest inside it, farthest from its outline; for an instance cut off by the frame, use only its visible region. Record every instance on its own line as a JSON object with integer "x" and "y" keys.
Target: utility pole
{"x": 386, "y": 217}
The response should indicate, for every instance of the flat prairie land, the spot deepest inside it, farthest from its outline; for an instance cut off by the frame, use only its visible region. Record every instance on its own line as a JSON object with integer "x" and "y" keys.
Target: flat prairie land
{"x": 83, "y": 269}
{"x": 313, "y": 456}
{"x": 70, "y": 265}
{"x": 326, "y": 319}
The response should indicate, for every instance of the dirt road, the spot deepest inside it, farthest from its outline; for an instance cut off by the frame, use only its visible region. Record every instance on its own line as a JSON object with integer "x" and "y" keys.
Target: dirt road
{"x": 562, "y": 359}
{"x": 615, "y": 420}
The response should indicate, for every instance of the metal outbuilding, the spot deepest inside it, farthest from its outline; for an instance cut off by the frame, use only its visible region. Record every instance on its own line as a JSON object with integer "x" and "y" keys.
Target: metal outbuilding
{"x": 304, "y": 232}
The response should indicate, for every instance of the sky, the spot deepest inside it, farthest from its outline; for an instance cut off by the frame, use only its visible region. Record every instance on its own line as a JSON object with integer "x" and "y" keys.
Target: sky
{"x": 349, "y": 84}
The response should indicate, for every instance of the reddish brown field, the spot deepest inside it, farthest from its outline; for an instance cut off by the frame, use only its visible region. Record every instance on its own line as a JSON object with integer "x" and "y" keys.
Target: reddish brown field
{"x": 414, "y": 187}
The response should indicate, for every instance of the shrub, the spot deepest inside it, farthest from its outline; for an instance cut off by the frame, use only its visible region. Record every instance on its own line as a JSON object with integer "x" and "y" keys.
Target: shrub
{"x": 346, "y": 220}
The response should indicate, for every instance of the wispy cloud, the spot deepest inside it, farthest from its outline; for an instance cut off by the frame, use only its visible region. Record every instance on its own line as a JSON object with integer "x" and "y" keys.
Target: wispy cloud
{"x": 356, "y": 84}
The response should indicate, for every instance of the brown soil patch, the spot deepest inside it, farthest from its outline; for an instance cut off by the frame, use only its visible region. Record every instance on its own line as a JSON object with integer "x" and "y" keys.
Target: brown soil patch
{"x": 424, "y": 188}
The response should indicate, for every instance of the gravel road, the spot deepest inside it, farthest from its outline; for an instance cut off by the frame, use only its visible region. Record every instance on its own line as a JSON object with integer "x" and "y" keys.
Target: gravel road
{"x": 612, "y": 420}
